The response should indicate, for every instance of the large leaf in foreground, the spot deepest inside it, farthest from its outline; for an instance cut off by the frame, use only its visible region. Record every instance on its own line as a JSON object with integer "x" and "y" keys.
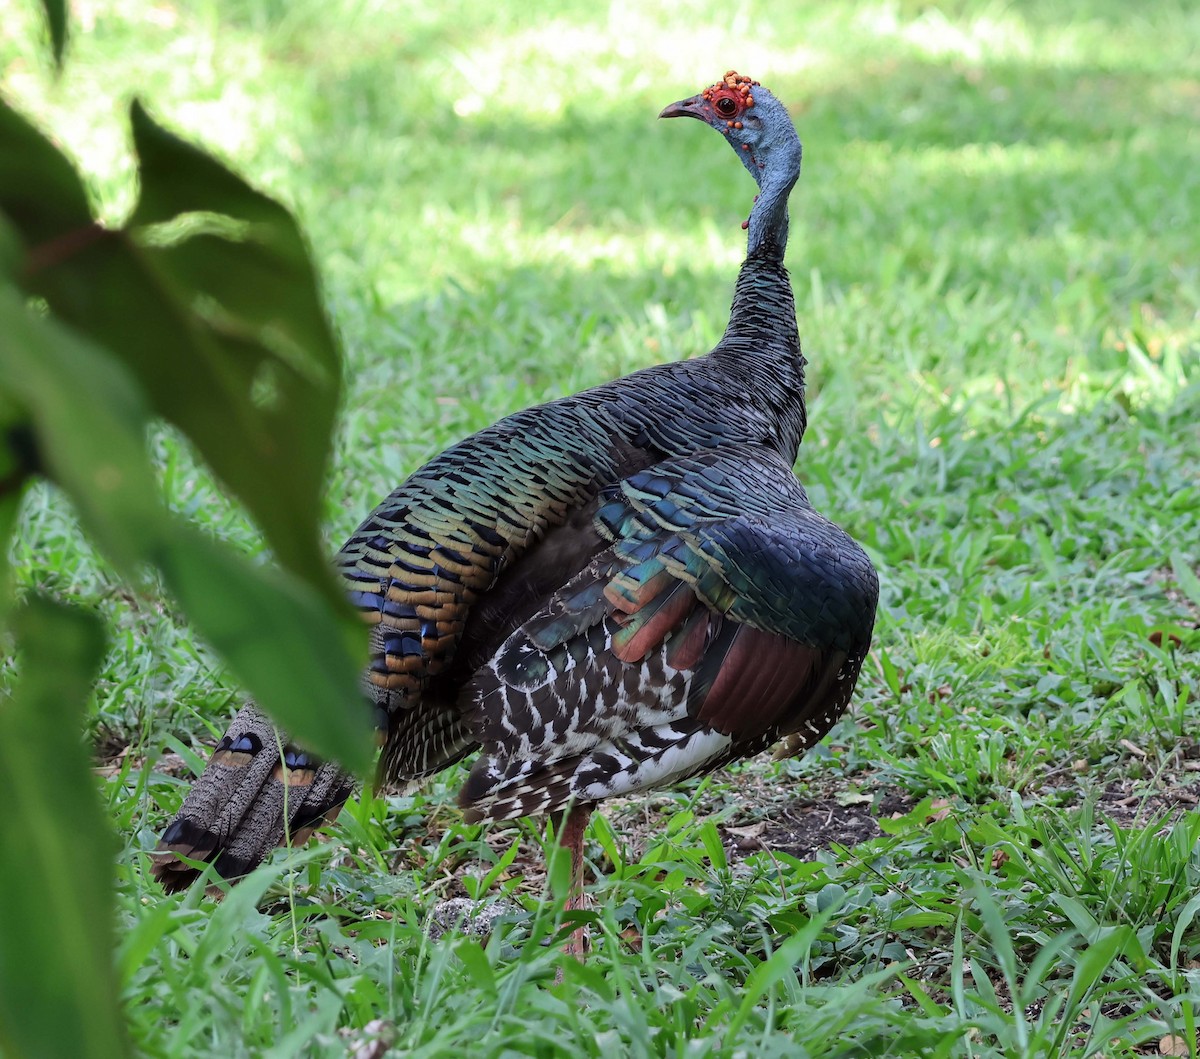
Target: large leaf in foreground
{"x": 284, "y": 643}
{"x": 87, "y": 421}
{"x": 58, "y": 994}
{"x": 39, "y": 189}
{"x": 209, "y": 297}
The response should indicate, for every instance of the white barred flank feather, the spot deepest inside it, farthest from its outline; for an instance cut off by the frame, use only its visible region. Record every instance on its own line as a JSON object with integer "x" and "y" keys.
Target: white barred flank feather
{"x": 647, "y": 759}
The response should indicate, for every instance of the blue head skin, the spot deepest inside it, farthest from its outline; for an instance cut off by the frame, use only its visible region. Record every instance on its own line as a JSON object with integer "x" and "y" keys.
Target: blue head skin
{"x": 760, "y": 130}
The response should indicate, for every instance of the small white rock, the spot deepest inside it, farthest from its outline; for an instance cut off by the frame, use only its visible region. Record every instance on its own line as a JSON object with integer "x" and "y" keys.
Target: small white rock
{"x": 465, "y": 915}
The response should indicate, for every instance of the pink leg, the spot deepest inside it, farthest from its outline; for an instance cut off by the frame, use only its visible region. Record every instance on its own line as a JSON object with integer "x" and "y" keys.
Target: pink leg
{"x": 574, "y": 827}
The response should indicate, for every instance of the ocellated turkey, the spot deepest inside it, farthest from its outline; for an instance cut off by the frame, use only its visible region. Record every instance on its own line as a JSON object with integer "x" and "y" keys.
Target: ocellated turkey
{"x": 600, "y": 595}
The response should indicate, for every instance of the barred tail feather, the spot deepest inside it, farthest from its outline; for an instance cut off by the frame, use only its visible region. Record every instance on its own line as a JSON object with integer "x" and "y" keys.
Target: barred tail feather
{"x": 235, "y": 813}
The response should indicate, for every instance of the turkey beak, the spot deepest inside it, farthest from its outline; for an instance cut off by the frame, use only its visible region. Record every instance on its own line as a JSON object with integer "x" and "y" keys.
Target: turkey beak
{"x": 685, "y": 108}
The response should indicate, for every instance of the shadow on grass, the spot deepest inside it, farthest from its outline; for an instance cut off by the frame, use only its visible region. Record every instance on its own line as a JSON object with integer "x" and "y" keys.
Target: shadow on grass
{"x": 923, "y": 160}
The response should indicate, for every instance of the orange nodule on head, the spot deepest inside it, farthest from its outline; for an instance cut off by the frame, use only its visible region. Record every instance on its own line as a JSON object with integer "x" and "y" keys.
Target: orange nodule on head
{"x": 735, "y": 80}
{"x": 732, "y": 82}
{"x": 730, "y": 97}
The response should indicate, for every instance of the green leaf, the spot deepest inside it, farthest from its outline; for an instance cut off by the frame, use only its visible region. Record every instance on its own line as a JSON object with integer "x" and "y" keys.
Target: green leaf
{"x": 58, "y": 994}
{"x": 210, "y": 299}
{"x": 294, "y": 653}
{"x": 16, "y": 459}
{"x": 56, "y": 22}
{"x": 221, "y": 324}
{"x": 914, "y": 819}
{"x": 477, "y": 965}
{"x": 1090, "y": 968}
{"x": 88, "y": 421}
{"x": 12, "y": 253}
{"x": 298, "y": 1040}
{"x": 284, "y": 644}
{"x": 919, "y": 920}
{"x": 1002, "y": 946}
{"x": 710, "y": 838}
{"x": 987, "y": 992}
{"x": 262, "y": 348}
{"x": 1181, "y": 926}
{"x": 40, "y": 192}
{"x": 891, "y": 675}
{"x": 780, "y": 964}
{"x": 603, "y": 834}
{"x": 500, "y": 867}
{"x": 923, "y": 999}
{"x": 1186, "y": 577}
{"x": 144, "y": 937}
{"x": 234, "y": 919}
{"x": 10, "y": 505}
{"x": 179, "y": 178}
{"x": 1081, "y": 919}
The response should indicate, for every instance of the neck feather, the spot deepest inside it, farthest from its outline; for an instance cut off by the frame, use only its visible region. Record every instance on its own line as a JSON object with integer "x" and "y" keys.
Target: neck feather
{"x": 761, "y": 347}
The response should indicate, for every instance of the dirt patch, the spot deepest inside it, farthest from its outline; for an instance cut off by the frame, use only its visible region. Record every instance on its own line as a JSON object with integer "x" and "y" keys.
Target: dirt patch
{"x": 808, "y": 825}
{"x": 1133, "y": 804}
{"x": 1171, "y": 789}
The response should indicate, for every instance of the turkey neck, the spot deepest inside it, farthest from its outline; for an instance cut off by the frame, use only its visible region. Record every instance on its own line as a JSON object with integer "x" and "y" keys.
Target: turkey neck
{"x": 760, "y": 349}
{"x": 768, "y": 223}
{"x": 761, "y": 346}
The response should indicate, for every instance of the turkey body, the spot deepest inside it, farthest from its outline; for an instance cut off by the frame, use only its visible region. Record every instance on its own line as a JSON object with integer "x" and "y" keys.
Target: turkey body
{"x": 599, "y": 595}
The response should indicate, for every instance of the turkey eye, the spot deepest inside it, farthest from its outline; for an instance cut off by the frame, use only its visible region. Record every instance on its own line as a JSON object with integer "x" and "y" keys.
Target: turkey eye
{"x": 726, "y": 106}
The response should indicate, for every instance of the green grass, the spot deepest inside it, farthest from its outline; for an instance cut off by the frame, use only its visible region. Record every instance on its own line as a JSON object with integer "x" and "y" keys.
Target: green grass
{"x": 994, "y": 251}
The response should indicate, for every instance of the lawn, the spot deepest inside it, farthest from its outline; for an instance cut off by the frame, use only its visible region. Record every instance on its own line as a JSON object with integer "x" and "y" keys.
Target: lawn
{"x": 995, "y": 251}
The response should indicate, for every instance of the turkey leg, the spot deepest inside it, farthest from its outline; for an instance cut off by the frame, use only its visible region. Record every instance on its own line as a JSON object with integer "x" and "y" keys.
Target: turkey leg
{"x": 574, "y": 827}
